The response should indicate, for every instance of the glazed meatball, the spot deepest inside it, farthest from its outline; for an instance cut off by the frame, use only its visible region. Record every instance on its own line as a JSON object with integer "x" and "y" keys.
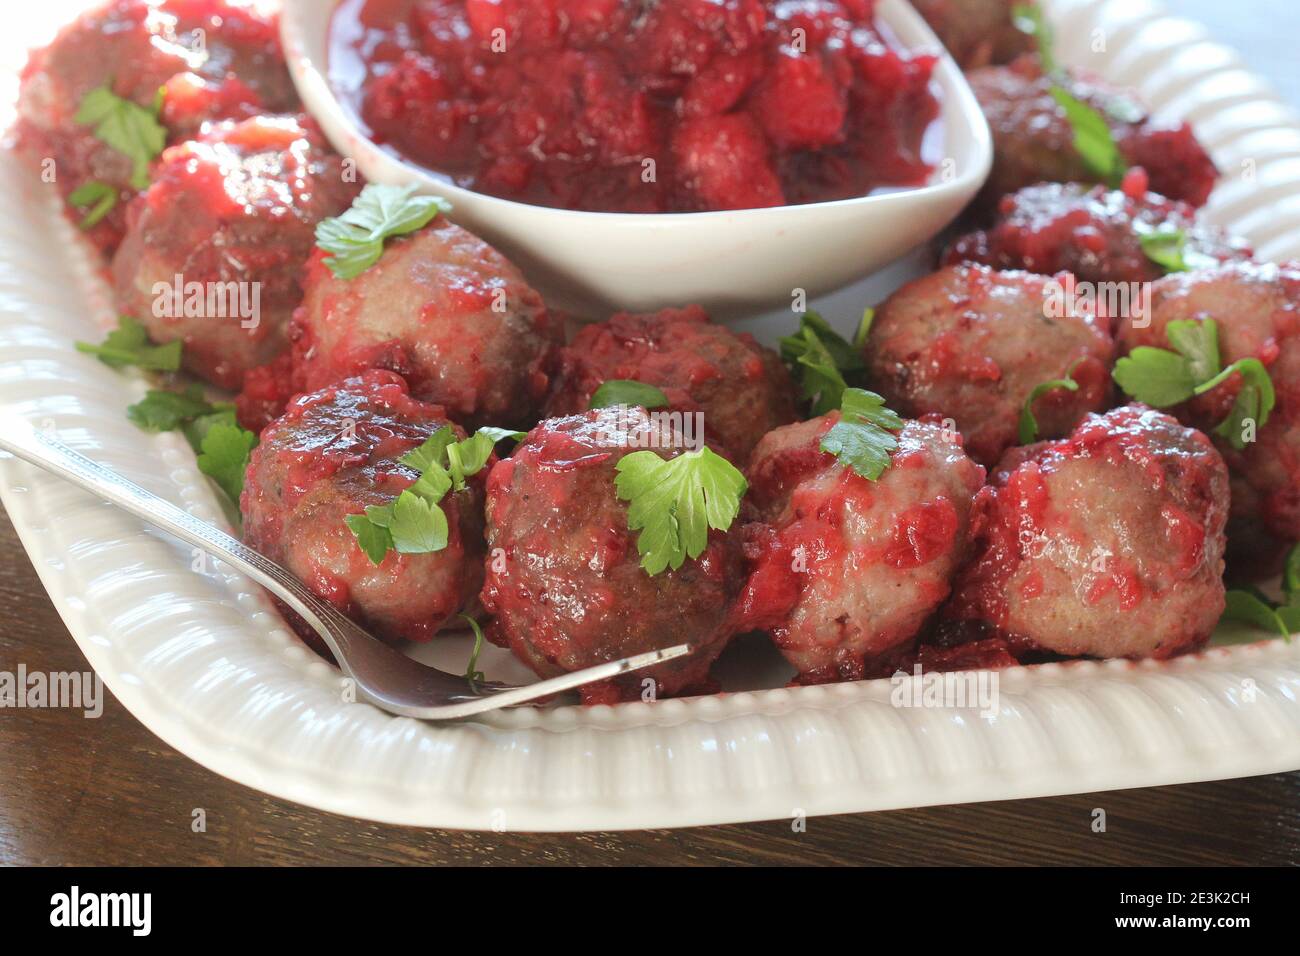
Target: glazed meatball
{"x": 845, "y": 571}
{"x": 444, "y": 309}
{"x": 742, "y": 389}
{"x": 1033, "y": 140}
{"x": 1106, "y": 544}
{"x": 1094, "y": 233}
{"x": 1256, "y": 308}
{"x": 564, "y": 579}
{"x": 334, "y": 453}
{"x": 976, "y": 32}
{"x": 971, "y": 344}
{"x": 233, "y": 68}
{"x": 228, "y": 223}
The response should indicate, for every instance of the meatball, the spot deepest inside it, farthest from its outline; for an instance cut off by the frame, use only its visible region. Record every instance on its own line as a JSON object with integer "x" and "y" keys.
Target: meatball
{"x": 742, "y": 388}
{"x": 446, "y": 310}
{"x": 976, "y": 32}
{"x": 233, "y": 68}
{"x": 215, "y": 247}
{"x": 564, "y": 579}
{"x": 971, "y": 344}
{"x": 1033, "y": 141}
{"x": 1256, "y": 308}
{"x": 1106, "y": 544}
{"x": 845, "y": 571}
{"x": 1094, "y": 233}
{"x": 334, "y": 453}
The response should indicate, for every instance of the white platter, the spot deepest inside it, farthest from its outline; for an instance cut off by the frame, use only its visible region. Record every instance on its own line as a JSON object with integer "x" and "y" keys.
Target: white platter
{"x": 205, "y": 663}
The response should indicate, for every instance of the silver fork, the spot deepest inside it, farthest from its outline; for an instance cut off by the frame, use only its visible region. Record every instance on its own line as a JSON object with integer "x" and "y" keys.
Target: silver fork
{"x": 384, "y": 676}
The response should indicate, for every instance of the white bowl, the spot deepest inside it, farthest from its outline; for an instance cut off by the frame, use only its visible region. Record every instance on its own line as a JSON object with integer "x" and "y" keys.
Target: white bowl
{"x": 730, "y": 262}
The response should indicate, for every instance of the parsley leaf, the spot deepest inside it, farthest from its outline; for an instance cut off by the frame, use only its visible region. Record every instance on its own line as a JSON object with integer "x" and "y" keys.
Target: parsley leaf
{"x": 622, "y": 391}
{"x": 129, "y": 344}
{"x": 1254, "y": 401}
{"x": 224, "y": 457}
{"x": 100, "y": 197}
{"x": 822, "y": 362}
{"x": 374, "y": 539}
{"x": 1167, "y": 247}
{"x": 674, "y": 502}
{"x": 1251, "y": 606}
{"x": 1157, "y": 377}
{"x": 1092, "y": 138}
{"x": 131, "y": 129}
{"x": 356, "y": 238}
{"x": 1028, "y": 18}
{"x": 1161, "y": 378}
{"x": 862, "y": 438}
{"x": 415, "y": 523}
{"x": 418, "y": 525}
{"x": 165, "y": 411}
{"x": 1028, "y": 423}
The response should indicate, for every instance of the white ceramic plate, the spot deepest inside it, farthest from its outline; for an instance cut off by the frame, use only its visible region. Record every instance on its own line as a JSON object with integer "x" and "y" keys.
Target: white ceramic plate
{"x": 205, "y": 663}
{"x": 733, "y": 263}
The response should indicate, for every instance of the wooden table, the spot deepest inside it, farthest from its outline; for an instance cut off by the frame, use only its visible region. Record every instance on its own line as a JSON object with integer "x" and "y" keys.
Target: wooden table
{"x": 107, "y": 791}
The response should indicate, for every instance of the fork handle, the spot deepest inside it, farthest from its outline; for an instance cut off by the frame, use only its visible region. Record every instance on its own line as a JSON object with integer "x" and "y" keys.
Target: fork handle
{"x": 21, "y": 439}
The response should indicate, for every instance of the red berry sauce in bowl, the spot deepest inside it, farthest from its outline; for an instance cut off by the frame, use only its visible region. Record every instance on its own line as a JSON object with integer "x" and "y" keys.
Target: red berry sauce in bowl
{"x": 635, "y": 106}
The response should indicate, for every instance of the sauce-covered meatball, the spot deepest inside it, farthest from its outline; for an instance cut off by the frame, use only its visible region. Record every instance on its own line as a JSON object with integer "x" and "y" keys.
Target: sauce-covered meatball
{"x": 334, "y": 453}
{"x": 976, "y": 32}
{"x": 447, "y": 311}
{"x": 215, "y": 247}
{"x": 1106, "y": 544}
{"x": 1094, "y": 233}
{"x": 845, "y": 570}
{"x": 971, "y": 344}
{"x": 1256, "y": 309}
{"x": 210, "y": 58}
{"x": 1033, "y": 140}
{"x": 742, "y": 388}
{"x": 564, "y": 578}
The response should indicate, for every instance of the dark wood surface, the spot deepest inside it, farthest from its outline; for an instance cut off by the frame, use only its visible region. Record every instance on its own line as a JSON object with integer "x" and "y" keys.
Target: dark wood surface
{"x": 106, "y": 791}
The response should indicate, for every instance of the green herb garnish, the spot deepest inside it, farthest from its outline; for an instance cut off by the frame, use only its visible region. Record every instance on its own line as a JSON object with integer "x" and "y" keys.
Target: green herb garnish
{"x": 1251, "y": 606}
{"x": 356, "y": 238}
{"x": 472, "y": 673}
{"x": 1092, "y": 138}
{"x": 415, "y": 523}
{"x": 129, "y": 344}
{"x": 100, "y": 197}
{"x": 674, "y": 502}
{"x": 622, "y": 391}
{"x": 223, "y": 456}
{"x": 1167, "y": 247}
{"x": 1029, "y": 423}
{"x": 133, "y": 130}
{"x": 1164, "y": 377}
{"x": 822, "y": 361}
{"x": 863, "y": 438}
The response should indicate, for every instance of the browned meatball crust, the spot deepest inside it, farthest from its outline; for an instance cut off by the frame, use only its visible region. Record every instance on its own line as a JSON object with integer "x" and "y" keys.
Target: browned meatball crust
{"x": 334, "y": 453}
{"x": 444, "y": 309}
{"x": 1106, "y": 544}
{"x": 845, "y": 571}
{"x": 564, "y": 579}
{"x": 971, "y": 344}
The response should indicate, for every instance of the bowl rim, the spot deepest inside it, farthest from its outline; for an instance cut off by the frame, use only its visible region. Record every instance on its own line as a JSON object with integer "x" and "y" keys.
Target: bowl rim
{"x": 309, "y": 69}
